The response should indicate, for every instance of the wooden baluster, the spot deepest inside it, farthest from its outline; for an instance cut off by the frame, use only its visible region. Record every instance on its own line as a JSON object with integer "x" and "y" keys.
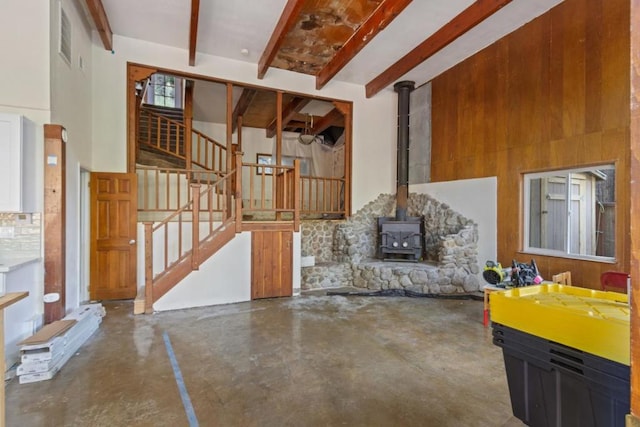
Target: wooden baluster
{"x": 296, "y": 195}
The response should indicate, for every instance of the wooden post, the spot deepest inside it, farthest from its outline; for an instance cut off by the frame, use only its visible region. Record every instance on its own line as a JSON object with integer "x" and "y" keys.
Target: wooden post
{"x": 54, "y": 220}
{"x": 188, "y": 123}
{"x": 239, "y": 140}
{"x": 148, "y": 267}
{"x": 634, "y": 192}
{"x": 296, "y": 195}
{"x": 229, "y": 144}
{"x": 238, "y": 190}
{"x": 195, "y": 227}
{"x": 276, "y": 174}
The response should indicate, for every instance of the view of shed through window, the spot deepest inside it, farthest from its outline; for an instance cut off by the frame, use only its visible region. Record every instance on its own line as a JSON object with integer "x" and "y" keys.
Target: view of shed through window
{"x": 571, "y": 212}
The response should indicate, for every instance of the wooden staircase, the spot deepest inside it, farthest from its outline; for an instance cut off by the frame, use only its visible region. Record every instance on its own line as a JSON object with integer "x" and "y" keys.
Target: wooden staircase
{"x": 164, "y": 143}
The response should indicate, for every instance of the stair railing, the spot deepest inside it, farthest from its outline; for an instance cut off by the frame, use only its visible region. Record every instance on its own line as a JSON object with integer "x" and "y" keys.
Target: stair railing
{"x": 178, "y": 244}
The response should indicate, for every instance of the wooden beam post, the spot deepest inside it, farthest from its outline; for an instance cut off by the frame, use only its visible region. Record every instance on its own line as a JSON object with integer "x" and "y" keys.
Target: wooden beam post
{"x": 633, "y": 420}
{"x": 229, "y": 154}
{"x": 54, "y": 221}
{"x": 278, "y": 149}
{"x": 188, "y": 123}
{"x": 238, "y": 191}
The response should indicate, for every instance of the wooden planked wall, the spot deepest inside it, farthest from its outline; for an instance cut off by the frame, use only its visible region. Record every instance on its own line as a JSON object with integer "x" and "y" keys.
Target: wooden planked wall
{"x": 553, "y": 94}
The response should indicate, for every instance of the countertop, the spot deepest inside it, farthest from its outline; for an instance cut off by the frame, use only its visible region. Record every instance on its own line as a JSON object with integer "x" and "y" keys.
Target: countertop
{"x": 9, "y": 264}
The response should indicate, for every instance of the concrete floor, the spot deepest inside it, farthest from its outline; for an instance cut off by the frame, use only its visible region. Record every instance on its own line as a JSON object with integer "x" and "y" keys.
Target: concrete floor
{"x": 313, "y": 360}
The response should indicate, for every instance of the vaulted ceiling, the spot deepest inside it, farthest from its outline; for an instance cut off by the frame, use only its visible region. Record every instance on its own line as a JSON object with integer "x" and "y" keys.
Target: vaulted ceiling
{"x": 373, "y": 43}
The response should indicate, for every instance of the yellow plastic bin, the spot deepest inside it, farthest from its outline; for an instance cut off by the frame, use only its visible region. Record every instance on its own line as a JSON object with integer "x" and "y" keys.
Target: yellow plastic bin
{"x": 566, "y": 354}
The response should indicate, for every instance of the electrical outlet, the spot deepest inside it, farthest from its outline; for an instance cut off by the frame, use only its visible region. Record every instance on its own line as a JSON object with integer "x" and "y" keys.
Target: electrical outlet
{"x": 6, "y": 232}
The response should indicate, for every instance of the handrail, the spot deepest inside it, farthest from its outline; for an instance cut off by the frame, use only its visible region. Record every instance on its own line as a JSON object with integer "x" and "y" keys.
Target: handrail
{"x": 185, "y": 244}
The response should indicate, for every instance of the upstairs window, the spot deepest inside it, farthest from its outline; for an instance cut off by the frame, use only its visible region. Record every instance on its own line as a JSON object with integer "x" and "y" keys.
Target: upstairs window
{"x": 571, "y": 213}
{"x": 165, "y": 91}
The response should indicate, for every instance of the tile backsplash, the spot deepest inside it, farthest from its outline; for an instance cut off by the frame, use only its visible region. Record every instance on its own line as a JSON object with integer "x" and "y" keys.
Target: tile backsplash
{"x": 20, "y": 235}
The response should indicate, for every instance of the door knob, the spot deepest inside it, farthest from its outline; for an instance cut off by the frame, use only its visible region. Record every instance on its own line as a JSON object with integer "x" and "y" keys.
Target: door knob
{"x": 132, "y": 242}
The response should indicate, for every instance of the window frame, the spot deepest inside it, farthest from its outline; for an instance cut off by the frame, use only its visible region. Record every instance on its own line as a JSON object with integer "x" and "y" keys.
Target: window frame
{"x": 527, "y": 178}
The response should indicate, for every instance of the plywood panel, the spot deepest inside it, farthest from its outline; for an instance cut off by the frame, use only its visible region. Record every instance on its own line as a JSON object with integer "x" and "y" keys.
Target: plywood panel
{"x": 553, "y": 94}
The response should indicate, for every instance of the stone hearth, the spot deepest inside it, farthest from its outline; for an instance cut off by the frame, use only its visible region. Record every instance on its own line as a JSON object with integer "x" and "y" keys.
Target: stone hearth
{"x": 345, "y": 250}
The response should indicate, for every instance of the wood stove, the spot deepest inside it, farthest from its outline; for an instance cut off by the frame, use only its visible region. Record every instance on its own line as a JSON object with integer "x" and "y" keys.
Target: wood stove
{"x": 400, "y": 238}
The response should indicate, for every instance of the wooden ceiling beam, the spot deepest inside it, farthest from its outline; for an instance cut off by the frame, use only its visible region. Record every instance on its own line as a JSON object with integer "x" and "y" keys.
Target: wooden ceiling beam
{"x": 285, "y": 23}
{"x": 289, "y": 112}
{"x": 101, "y": 21}
{"x": 386, "y": 12}
{"x": 193, "y": 31}
{"x": 246, "y": 98}
{"x": 463, "y": 22}
{"x": 326, "y": 121}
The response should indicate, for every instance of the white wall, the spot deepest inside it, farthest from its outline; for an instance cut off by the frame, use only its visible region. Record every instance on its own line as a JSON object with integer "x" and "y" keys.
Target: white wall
{"x": 222, "y": 279}
{"x": 71, "y": 92}
{"x": 374, "y": 120}
{"x": 24, "y": 89}
{"x": 476, "y": 199}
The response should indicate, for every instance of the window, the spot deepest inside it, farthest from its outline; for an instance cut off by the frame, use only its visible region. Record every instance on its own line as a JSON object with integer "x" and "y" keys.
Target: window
{"x": 571, "y": 213}
{"x": 165, "y": 91}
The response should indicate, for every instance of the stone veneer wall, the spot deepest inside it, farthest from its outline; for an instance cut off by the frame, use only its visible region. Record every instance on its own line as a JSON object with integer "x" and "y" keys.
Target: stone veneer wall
{"x": 345, "y": 250}
{"x": 26, "y": 240}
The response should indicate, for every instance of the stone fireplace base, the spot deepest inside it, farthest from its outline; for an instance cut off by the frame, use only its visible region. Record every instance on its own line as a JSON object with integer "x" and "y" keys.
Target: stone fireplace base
{"x": 344, "y": 251}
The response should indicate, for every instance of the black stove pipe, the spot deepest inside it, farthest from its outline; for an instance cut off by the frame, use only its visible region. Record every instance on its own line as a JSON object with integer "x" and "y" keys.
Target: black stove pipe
{"x": 404, "y": 90}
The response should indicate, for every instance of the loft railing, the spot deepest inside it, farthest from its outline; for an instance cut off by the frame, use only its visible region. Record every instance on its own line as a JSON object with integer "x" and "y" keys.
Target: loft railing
{"x": 169, "y": 189}
{"x": 320, "y": 195}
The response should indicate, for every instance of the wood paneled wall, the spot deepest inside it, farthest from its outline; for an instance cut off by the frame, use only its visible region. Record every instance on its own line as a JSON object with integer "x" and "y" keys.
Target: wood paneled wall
{"x": 553, "y": 94}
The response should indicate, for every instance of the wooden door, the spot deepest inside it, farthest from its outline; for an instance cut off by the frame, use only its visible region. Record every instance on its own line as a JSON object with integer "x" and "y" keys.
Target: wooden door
{"x": 113, "y": 236}
{"x": 271, "y": 264}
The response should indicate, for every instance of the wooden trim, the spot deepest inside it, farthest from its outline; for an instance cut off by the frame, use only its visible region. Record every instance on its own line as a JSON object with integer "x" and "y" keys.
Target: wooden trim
{"x": 193, "y": 31}
{"x": 135, "y": 73}
{"x": 288, "y": 114}
{"x": 267, "y": 226}
{"x": 187, "y": 75}
{"x": 6, "y": 301}
{"x": 101, "y": 21}
{"x": 386, "y": 12}
{"x": 634, "y": 200}
{"x": 463, "y": 22}
{"x": 287, "y": 20}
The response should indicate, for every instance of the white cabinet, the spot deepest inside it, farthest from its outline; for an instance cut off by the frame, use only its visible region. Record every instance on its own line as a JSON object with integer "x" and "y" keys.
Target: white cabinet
{"x": 18, "y": 164}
